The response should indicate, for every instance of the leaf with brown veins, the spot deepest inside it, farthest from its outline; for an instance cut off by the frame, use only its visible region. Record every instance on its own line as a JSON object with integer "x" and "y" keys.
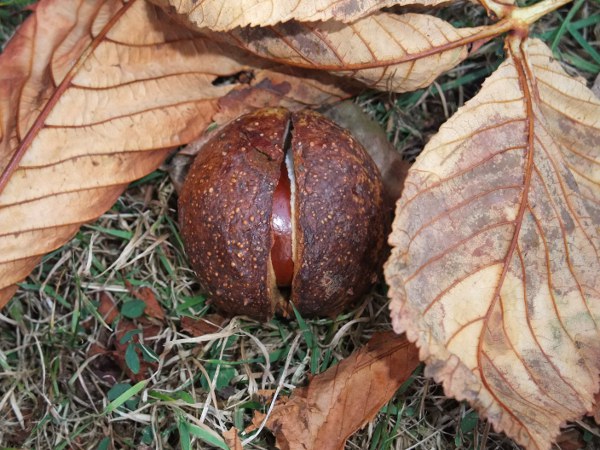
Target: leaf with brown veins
{"x": 345, "y": 397}
{"x": 495, "y": 266}
{"x": 224, "y": 16}
{"x": 95, "y": 95}
{"x": 385, "y": 51}
{"x": 84, "y": 89}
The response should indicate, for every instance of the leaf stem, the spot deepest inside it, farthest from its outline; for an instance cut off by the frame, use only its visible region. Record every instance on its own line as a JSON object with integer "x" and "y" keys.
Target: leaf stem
{"x": 64, "y": 84}
{"x": 523, "y": 17}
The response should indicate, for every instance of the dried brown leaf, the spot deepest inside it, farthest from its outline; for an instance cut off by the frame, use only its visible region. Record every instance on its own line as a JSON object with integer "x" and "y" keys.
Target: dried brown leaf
{"x": 385, "y": 51}
{"x": 494, "y": 271}
{"x": 150, "y": 332}
{"x": 145, "y": 294}
{"x": 570, "y": 440}
{"x": 258, "y": 418}
{"x": 289, "y": 87}
{"x": 200, "y": 327}
{"x": 344, "y": 398}
{"x": 93, "y": 96}
{"x": 80, "y": 78}
{"x": 107, "y": 308}
{"x": 223, "y": 16}
{"x": 232, "y": 439}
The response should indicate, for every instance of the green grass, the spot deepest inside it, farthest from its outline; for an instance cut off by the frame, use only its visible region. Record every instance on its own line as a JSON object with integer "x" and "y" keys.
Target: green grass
{"x": 53, "y": 394}
{"x": 12, "y": 13}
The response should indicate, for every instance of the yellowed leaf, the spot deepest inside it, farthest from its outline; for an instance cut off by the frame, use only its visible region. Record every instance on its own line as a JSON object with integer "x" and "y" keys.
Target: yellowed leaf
{"x": 93, "y": 96}
{"x": 223, "y": 16}
{"x": 344, "y": 398}
{"x": 495, "y": 266}
{"x": 385, "y": 51}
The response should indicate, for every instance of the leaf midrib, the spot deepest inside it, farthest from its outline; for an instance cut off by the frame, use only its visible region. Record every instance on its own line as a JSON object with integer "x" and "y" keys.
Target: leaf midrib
{"x": 39, "y": 122}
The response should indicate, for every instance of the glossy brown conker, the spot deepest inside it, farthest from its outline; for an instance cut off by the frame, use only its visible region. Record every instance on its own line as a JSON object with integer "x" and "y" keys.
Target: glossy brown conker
{"x": 235, "y": 194}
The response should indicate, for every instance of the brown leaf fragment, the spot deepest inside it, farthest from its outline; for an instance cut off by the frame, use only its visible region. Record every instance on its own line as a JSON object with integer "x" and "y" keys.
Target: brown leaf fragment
{"x": 200, "y": 327}
{"x": 258, "y": 418}
{"x": 288, "y": 87}
{"x": 107, "y": 308}
{"x": 149, "y": 333}
{"x": 81, "y": 123}
{"x": 570, "y": 440}
{"x": 265, "y": 395}
{"x": 344, "y": 398}
{"x": 147, "y": 295}
{"x": 222, "y": 16}
{"x": 232, "y": 439}
{"x": 496, "y": 249}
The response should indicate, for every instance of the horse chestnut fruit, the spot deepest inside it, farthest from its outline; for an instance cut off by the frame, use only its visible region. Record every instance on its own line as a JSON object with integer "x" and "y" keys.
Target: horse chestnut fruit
{"x": 281, "y": 207}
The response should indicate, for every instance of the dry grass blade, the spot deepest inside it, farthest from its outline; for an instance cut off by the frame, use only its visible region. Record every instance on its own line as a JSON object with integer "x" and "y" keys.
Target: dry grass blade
{"x": 496, "y": 260}
{"x": 225, "y": 16}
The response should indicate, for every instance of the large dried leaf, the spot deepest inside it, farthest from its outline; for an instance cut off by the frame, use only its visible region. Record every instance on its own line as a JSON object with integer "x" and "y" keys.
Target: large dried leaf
{"x": 222, "y": 16}
{"x": 94, "y": 95}
{"x": 385, "y": 51}
{"x": 341, "y": 400}
{"x": 495, "y": 267}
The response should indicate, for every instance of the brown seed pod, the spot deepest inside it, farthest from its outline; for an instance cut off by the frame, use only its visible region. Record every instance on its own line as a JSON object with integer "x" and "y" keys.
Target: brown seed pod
{"x": 255, "y": 243}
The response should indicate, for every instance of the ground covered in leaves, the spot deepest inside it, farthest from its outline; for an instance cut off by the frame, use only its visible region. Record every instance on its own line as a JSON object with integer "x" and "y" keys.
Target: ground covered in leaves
{"x": 108, "y": 344}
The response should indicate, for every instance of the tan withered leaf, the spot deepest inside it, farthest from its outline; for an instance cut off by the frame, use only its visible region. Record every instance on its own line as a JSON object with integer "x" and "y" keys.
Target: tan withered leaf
{"x": 222, "y": 16}
{"x": 341, "y": 400}
{"x": 494, "y": 270}
{"x": 93, "y": 96}
{"x": 385, "y": 51}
